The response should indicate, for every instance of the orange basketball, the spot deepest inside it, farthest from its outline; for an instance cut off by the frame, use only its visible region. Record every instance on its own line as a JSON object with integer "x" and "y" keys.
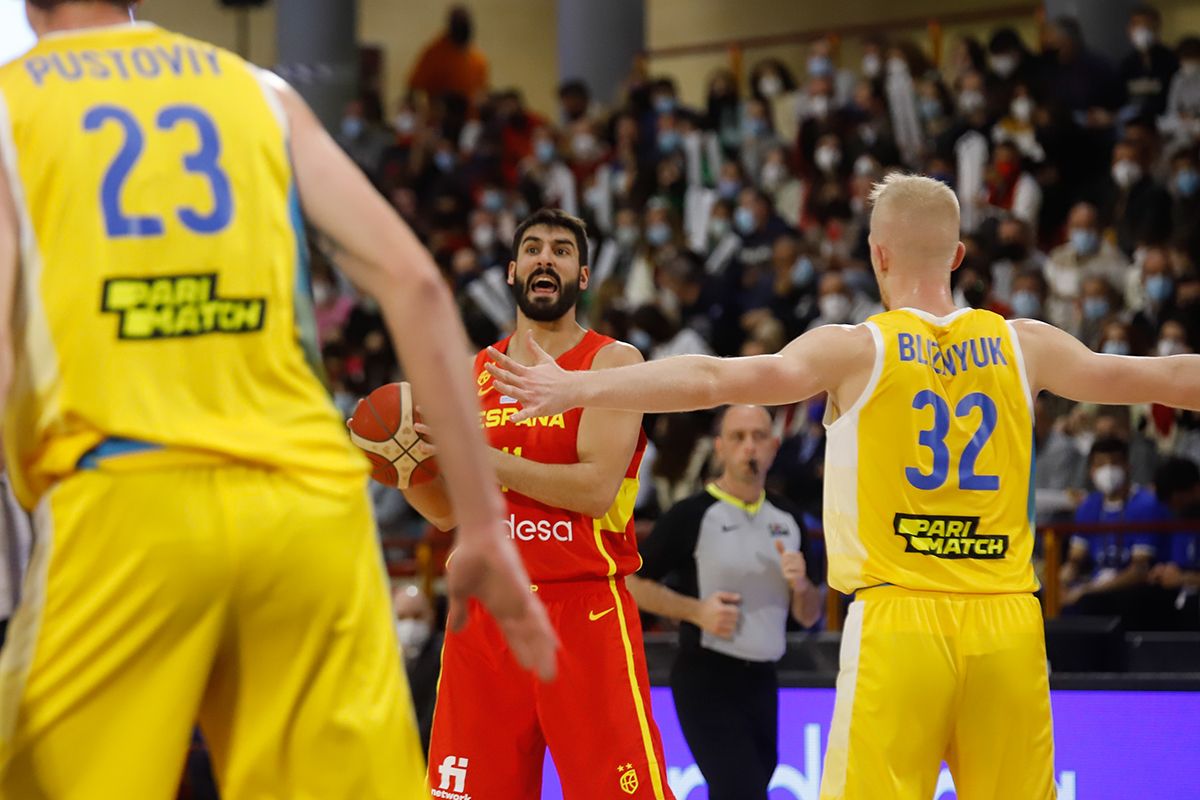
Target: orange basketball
{"x": 382, "y": 427}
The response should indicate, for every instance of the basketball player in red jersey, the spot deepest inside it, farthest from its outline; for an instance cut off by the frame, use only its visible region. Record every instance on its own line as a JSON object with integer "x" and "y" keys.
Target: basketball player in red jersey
{"x": 570, "y": 482}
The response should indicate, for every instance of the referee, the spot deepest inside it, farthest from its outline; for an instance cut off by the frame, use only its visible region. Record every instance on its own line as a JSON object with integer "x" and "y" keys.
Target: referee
{"x": 739, "y": 558}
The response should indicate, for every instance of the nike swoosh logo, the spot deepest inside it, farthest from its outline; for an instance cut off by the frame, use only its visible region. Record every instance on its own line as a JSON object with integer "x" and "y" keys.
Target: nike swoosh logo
{"x": 728, "y": 528}
{"x": 593, "y": 616}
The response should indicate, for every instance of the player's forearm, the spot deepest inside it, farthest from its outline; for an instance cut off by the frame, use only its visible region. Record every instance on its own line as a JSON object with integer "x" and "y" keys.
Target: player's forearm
{"x": 431, "y": 502}
{"x": 682, "y": 383}
{"x": 448, "y": 401}
{"x": 574, "y": 487}
{"x": 1133, "y": 575}
{"x": 655, "y": 598}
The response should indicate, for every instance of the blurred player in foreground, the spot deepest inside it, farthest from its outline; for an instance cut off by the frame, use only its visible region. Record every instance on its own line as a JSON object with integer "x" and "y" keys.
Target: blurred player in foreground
{"x": 204, "y": 541}
{"x": 928, "y": 501}
{"x": 570, "y": 484}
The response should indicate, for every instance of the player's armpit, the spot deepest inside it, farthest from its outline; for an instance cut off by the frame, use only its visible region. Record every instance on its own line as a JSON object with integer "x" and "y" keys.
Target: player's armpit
{"x": 1060, "y": 363}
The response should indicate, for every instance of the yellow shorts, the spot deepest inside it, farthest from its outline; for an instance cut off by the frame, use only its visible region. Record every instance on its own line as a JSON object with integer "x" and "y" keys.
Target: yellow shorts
{"x": 227, "y": 594}
{"x": 927, "y": 677}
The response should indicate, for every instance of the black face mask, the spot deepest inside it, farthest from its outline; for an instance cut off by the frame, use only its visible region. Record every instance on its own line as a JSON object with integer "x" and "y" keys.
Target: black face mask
{"x": 975, "y": 294}
{"x": 1011, "y": 251}
{"x": 541, "y": 309}
{"x": 460, "y": 31}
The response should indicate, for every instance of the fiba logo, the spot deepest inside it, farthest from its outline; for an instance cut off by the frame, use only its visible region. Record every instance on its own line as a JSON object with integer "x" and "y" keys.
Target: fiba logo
{"x": 453, "y": 771}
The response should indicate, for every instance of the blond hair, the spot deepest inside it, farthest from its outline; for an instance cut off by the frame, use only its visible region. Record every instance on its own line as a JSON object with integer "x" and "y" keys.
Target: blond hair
{"x": 918, "y": 214}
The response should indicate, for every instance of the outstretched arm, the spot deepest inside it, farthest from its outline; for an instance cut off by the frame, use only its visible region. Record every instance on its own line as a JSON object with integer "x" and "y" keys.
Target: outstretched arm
{"x": 812, "y": 363}
{"x": 1060, "y": 363}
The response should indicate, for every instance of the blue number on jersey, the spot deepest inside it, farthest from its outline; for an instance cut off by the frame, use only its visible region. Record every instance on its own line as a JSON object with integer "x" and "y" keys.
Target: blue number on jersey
{"x": 205, "y": 162}
{"x": 935, "y": 439}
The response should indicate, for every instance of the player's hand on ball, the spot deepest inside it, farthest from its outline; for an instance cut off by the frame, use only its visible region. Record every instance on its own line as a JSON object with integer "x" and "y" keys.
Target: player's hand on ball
{"x": 485, "y": 565}
{"x": 719, "y": 614}
{"x": 544, "y": 389}
{"x": 793, "y": 566}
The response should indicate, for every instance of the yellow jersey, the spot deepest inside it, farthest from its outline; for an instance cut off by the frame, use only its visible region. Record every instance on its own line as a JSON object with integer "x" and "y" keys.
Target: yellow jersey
{"x": 929, "y": 476}
{"x": 163, "y": 304}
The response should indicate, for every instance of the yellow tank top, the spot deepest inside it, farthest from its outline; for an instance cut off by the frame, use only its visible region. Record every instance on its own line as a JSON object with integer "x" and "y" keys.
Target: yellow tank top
{"x": 164, "y": 288}
{"x": 929, "y": 476}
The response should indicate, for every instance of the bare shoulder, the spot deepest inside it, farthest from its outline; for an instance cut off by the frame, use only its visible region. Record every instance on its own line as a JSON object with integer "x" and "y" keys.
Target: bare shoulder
{"x": 617, "y": 354}
{"x": 841, "y": 343}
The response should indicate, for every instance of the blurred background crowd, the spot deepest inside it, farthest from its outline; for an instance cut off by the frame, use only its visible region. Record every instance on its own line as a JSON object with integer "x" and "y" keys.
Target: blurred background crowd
{"x": 732, "y": 226}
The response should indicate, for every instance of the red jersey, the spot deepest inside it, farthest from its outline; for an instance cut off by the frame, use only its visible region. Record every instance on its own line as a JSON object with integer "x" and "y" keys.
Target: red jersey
{"x": 557, "y": 544}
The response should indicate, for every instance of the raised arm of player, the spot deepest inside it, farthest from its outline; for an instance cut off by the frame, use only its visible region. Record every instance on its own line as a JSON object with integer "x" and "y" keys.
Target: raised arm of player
{"x": 820, "y": 360}
{"x": 1060, "y": 363}
{"x": 606, "y": 442}
{"x": 388, "y": 262}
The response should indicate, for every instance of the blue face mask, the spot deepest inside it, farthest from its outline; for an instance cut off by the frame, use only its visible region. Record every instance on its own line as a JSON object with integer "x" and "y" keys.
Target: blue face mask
{"x": 756, "y": 127}
{"x": 544, "y": 151}
{"x": 353, "y": 127}
{"x": 658, "y": 234}
{"x": 1187, "y": 182}
{"x": 492, "y": 200}
{"x": 1095, "y": 308}
{"x": 1116, "y": 347}
{"x": 1159, "y": 288}
{"x": 931, "y": 108}
{"x": 1026, "y": 305}
{"x": 443, "y": 160}
{"x": 664, "y": 104}
{"x": 820, "y": 66}
{"x": 728, "y": 188}
{"x": 641, "y": 340}
{"x": 668, "y": 141}
{"x": 803, "y": 271}
{"x": 1085, "y": 241}
{"x": 743, "y": 220}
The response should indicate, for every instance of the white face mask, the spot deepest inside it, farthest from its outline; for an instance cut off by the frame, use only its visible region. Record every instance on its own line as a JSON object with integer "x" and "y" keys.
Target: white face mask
{"x": 413, "y": 634}
{"x": 1171, "y": 347}
{"x": 770, "y": 85}
{"x": 1022, "y": 109}
{"x": 1142, "y": 38}
{"x": 773, "y": 175}
{"x": 897, "y": 66}
{"x": 970, "y": 101}
{"x": 872, "y": 65}
{"x": 1126, "y": 173}
{"x": 834, "y": 307}
{"x": 818, "y": 105}
{"x": 483, "y": 237}
{"x": 322, "y": 293}
{"x": 827, "y": 158}
{"x": 1003, "y": 65}
{"x": 405, "y": 123}
{"x": 1108, "y": 478}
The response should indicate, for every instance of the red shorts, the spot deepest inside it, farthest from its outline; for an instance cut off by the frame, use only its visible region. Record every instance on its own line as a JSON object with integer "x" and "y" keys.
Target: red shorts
{"x": 494, "y": 720}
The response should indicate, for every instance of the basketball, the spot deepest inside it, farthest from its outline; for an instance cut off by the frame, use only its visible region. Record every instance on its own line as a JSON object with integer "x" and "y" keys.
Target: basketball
{"x": 382, "y": 427}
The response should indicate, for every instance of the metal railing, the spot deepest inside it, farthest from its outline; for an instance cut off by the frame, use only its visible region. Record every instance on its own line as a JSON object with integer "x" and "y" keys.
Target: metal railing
{"x": 424, "y": 559}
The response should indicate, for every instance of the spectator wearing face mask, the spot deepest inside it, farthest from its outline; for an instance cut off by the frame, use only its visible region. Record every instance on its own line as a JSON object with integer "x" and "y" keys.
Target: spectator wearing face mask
{"x": 1060, "y": 468}
{"x": 1155, "y": 295}
{"x": 773, "y": 84}
{"x": 1137, "y": 206}
{"x": 1100, "y": 318}
{"x": 1013, "y": 254}
{"x": 421, "y": 648}
{"x": 1108, "y": 573}
{"x": 1146, "y": 72}
{"x": 1010, "y": 187}
{"x": 758, "y": 135}
{"x": 1009, "y": 64}
{"x": 1182, "y": 118}
{"x": 1085, "y": 254}
{"x": 1185, "y": 202}
{"x": 840, "y": 304}
{"x": 547, "y": 176}
{"x": 363, "y": 135}
{"x": 1029, "y": 295}
{"x": 1018, "y": 126}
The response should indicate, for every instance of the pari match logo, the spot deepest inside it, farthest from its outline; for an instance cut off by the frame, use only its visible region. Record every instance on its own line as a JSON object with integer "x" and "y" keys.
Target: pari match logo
{"x": 948, "y": 537}
{"x": 177, "y": 306}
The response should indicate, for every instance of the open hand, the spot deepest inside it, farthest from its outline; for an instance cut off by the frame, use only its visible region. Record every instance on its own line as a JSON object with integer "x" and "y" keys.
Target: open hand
{"x": 486, "y": 566}
{"x": 543, "y": 389}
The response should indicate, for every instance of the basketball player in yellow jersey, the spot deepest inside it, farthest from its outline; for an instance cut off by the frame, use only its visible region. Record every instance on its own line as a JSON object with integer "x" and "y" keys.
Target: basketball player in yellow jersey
{"x": 204, "y": 541}
{"x": 928, "y": 501}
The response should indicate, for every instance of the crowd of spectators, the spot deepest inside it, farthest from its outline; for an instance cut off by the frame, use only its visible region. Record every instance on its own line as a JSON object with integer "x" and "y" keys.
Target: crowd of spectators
{"x": 731, "y": 227}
